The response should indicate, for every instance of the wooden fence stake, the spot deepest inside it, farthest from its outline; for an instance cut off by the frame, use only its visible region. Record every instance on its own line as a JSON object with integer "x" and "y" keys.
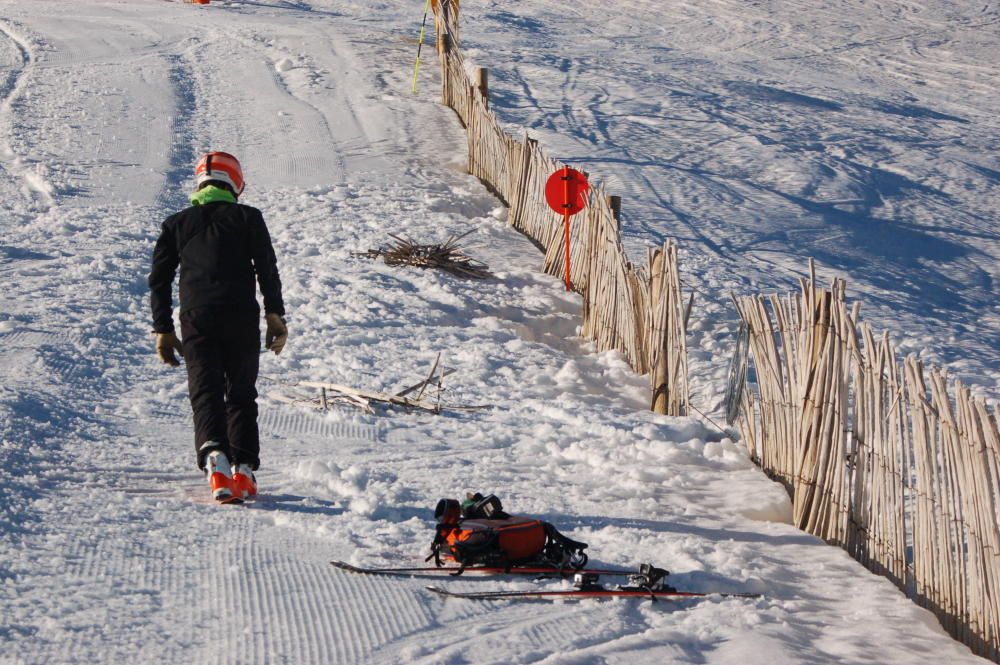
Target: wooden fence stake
{"x": 444, "y": 44}
{"x": 615, "y": 203}
{"x": 483, "y": 84}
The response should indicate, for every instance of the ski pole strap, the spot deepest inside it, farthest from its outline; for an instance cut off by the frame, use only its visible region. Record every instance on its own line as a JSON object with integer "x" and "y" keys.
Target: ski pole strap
{"x": 436, "y": 548}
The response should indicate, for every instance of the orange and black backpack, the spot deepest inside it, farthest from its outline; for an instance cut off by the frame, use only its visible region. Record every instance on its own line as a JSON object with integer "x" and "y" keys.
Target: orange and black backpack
{"x": 479, "y": 532}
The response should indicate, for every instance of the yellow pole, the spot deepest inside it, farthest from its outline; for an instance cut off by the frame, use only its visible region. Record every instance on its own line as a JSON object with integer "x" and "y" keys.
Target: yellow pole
{"x": 420, "y": 44}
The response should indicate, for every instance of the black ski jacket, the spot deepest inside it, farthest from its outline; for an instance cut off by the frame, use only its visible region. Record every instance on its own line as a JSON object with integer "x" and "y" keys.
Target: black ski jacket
{"x": 218, "y": 246}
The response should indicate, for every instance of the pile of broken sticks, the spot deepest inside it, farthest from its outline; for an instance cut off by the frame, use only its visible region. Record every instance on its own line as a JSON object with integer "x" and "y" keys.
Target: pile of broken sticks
{"x": 333, "y": 394}
{"x": 446, "y": 256}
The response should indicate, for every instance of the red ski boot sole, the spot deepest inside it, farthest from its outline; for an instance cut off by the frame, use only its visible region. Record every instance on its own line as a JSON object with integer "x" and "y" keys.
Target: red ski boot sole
{"x": 222, "y": 489}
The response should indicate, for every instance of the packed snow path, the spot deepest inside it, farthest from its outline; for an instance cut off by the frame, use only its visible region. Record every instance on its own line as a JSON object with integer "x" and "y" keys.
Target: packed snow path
{"x": 109, "y": 551}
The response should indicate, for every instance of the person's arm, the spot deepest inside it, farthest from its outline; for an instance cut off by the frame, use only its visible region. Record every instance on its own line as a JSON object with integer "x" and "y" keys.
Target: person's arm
{"x": 266, "y": 265}
{"x": 161, "y": 280}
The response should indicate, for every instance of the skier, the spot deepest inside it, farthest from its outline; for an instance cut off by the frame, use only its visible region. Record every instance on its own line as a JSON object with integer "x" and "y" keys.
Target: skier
{"x": 219, "y": 244}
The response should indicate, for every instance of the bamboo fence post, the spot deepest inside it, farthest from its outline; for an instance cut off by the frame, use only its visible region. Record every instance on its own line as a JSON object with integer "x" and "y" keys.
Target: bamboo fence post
{"x": 454, "y": 14}
{"x": 679, "y": 340}
{"x": 521, "y": 193}
{"x": 659, "y": 361}
{"x": 471, "y": 134}
{"x": 897, "y": 432}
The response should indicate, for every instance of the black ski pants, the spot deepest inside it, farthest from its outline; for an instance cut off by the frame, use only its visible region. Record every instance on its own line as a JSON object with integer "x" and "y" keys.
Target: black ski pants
{"x": 222, "y": 355}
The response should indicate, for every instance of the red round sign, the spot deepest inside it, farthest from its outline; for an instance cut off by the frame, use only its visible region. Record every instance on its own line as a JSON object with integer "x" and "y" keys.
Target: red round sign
{"x": 566, "y": 191}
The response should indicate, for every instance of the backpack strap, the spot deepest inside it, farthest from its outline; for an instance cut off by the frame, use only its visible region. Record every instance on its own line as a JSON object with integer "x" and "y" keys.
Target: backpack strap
{"x": 562, "y": 551}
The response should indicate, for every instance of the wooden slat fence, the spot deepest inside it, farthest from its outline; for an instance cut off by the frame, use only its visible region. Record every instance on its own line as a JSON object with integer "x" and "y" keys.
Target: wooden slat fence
{"x": 637, "y": 311}
{"x": 905, "y": 479}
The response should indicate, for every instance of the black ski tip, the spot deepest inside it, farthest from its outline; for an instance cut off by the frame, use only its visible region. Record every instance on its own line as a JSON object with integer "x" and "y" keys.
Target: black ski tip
{"x": 230, "y": 501}
{"x": 343, "y": 565}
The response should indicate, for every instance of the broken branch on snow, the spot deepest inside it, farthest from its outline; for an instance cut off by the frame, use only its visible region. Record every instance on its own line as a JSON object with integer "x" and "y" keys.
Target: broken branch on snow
{"x": 332, "y": 394}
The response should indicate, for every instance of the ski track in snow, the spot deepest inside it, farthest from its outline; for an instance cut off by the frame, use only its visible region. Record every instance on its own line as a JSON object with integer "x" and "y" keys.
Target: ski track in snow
{"x": 110, "y": 550}
{"x": 32, "y": 184}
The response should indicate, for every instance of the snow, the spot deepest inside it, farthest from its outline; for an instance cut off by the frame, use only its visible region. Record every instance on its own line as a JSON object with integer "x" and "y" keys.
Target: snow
{"x": 758, "y": 135}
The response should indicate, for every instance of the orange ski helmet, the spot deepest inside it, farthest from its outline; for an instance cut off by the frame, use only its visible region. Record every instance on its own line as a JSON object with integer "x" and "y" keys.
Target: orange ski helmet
{"x": 220, "y": 166}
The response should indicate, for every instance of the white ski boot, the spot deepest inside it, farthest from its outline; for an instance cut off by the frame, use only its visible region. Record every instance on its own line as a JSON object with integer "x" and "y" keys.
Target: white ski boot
{"x": 244, "y": 482}
{"x": 220, "y": 478}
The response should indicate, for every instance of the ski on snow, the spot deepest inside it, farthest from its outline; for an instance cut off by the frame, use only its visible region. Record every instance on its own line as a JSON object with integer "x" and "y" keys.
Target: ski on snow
{"x": 586, "y": 592}
{"x": 648, "y": 582}
{"x": 455, "y": 571}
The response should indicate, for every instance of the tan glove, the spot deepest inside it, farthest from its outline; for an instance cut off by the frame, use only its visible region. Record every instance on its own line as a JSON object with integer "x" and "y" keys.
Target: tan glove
{"x": 277, "y": 333}
{"x": 166, "y": 344}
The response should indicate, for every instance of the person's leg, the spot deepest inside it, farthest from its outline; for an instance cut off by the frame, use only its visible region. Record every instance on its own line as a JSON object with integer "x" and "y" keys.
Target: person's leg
{"x": 203, "y": 357}
{"x": 242, "y": 361}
